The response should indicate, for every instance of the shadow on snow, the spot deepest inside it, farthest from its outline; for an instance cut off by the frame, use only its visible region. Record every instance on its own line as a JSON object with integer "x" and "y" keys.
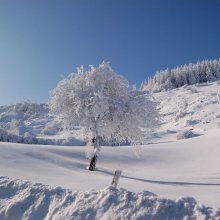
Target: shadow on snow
{"x": 172, "y": 183}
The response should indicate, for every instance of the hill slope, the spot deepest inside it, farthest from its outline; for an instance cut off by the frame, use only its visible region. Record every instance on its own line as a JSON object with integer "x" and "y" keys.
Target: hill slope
{"x": 177, "y": 168}
{"x": 172, "y": 165}
{"x": 194, "y": 108}
{"x": 33, "y": 124}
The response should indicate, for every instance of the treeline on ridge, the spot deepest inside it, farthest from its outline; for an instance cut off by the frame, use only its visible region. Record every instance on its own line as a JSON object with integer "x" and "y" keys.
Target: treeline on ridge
{"x": 201, "y": 72}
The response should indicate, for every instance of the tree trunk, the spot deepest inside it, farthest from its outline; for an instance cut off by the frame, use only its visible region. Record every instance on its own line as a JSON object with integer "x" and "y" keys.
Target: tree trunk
{"x": 93, "y": 162}
{"x": 94, "y": 158}
{"x": 95, "y": 143}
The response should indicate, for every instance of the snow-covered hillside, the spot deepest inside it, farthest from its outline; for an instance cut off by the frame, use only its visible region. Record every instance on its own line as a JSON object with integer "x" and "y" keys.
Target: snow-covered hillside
{"x": 194, "y": 108}
{"x": 32, "y": 123}
{"x": 171, "y": 165}
{"x": 24, "y": 118}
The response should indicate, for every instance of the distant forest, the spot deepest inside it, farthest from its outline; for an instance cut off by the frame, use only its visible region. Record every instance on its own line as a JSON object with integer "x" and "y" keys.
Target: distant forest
{"x": 201, "y": 72}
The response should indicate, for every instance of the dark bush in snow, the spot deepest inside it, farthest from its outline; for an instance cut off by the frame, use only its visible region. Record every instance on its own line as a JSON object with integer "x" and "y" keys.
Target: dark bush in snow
{"x": 186, "y": 134}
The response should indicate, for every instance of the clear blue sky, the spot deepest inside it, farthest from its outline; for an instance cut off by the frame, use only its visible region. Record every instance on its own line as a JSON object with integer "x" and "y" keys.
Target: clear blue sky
{"x": 43, "y": 40}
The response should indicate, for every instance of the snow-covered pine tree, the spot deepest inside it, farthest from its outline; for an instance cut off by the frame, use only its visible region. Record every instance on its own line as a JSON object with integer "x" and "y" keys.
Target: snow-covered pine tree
{"x": 204, "y": 71}
{"x": 101, "y": 101}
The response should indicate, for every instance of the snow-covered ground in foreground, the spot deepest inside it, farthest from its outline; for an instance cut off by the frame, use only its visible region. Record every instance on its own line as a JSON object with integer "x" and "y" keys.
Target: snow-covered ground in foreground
{"x": 168, "y": 166}
{"x": 188, "y": 167}
{"x": 24, "y": 200}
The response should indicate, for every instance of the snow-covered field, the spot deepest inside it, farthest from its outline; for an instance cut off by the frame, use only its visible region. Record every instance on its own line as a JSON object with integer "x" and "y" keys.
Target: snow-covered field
{"x": 170, "y": 166}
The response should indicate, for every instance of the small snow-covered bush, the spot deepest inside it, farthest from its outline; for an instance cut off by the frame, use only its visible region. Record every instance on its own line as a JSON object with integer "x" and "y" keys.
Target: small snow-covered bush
{"x": 5, "y": 136}
{"x": 186, "y": 134}
{"x": 179, "y": 115}
{"x": 182, "y": 109}
{"x": 51, "y": 128}
{"x": 191, "y": 122}
{"x": 193, "y": 89}
{"x": 27, "y": 138}
{"x": 170, "y": 131}
{"x": 14, "y": 127}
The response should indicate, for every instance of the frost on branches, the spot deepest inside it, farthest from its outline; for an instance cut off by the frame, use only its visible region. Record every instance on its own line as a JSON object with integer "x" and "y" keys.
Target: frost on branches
{"x": 201, "y": 72}
{"x": 101, "y": 102}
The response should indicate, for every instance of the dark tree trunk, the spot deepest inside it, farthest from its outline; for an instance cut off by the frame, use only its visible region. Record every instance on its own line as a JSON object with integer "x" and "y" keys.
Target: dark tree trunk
{"x": 95, "y": 143}
{"x": 93, "y": 163}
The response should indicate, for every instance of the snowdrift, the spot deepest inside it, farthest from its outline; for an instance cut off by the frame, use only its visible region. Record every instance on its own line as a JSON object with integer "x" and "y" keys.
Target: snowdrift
{"x": 25, "y": 200}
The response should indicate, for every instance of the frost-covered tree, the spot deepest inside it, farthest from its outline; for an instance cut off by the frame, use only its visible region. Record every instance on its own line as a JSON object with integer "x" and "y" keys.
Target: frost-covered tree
{"x": 204, "y": 71}
{"x": 101, "y": 101}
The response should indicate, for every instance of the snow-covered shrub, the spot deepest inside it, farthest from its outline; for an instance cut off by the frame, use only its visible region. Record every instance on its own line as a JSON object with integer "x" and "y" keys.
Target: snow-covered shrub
{"x": 185, "y": 135}
{"x": 101, "y": 101}
{"x": 193, "y": 89}
{"x": 170, "y": 131}
{"x": 217, "y": 116}
{"x": 8, "y": 137}
{"x": 182, "y": 109}
{"x": 14, "y": 127}
{"x": 179, "y": 115}
{"x": 191, "y": 122}
{"x": 27, "y": 138}
{"x": 51, "y": 128}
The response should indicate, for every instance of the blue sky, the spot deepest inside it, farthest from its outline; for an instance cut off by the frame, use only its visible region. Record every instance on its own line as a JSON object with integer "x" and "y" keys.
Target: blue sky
{"x": 43, "y": 40}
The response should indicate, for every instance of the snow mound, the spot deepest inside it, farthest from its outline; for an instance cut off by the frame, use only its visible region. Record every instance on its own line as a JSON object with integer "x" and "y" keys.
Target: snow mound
{"x": 25, "y": 200}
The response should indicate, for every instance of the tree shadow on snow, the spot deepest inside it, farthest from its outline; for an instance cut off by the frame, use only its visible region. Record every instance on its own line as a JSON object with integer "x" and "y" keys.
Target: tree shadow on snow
{"x": 60, "y": 161}
{"x": 172, "y": 183}
{"x": 160, "y": 142}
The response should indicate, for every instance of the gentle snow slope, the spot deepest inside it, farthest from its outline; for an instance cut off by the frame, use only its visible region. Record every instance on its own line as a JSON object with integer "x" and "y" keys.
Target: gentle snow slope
{"x": 23, "y": 200}
{"x": 169, "y": 167}
{"x": 180, "y": 168}
{"x": 195, "y": 108}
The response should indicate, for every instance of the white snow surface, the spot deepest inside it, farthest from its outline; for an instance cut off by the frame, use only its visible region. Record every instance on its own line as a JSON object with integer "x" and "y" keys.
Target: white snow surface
{"x": 168, "y": 166}
{"x": 24, "y": 200}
